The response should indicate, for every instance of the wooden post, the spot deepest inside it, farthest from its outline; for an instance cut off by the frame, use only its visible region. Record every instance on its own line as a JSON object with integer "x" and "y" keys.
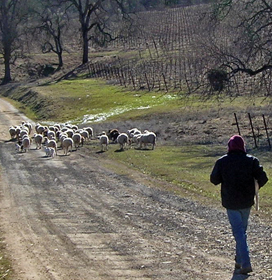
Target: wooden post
{"x": 237, "y": 124}
{"x": 265, "y": 126}
{"x": 252, "y": 129}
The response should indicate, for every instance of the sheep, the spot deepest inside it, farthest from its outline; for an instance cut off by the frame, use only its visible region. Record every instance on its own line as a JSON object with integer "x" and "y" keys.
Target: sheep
{"x": 104, "y": 141}
{"x": 133, "y": 135}
{"x": 12, "y": 132}
{"x": 74, "y": 127}
{"x": 51, "y": 135}
{"x": 67, "y": 144}
{"x": 52, "y": 128}
{"x": 28, "y": 125}
{"x": 78, "y": 139}
{"x": 25, "y": 144}
{"x": 40, "y": 129}
{"x": 57, "y": 127}
{"x": 69, "y": 132}
{"x": 62, "y": 136}
{"x": 18, "y": 130}
{"x": 84, "y": 134}
{"x": 133, "y": 131}
{"x": 49, "y": 152}
{"x": 90, "y": 130}
{"x": 122, "y": 139}
{"x": 147, "y": 138}
{"x": 51, "y": 144}
{"x": 64, "y": 129}
{"x": 113, "y": 134}
{"x": 38, "y": 140}
{"x": 23, "y": 132}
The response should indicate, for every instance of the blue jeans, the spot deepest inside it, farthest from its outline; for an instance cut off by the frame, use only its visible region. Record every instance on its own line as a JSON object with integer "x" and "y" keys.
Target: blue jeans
{"x": 239, "y": 221}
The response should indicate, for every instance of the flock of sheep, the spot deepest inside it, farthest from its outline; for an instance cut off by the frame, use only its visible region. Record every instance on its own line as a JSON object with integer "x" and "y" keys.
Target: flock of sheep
{"x": 66, "y": 137}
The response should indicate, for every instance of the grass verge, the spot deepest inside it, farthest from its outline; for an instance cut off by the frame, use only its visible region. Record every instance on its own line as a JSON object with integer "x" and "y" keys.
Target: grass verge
{"x": 186, "y": 168}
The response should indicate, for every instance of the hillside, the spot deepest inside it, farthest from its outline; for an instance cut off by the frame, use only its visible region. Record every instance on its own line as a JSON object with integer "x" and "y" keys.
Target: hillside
{"x": 174, "y": 56}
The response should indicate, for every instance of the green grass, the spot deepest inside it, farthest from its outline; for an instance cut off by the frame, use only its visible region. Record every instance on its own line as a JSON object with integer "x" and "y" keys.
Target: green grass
{"x": 82, "y": 100}
{"x": 5, "y": 263}
{"x": 88, "y": 99}
{"x": 188, "y": 168}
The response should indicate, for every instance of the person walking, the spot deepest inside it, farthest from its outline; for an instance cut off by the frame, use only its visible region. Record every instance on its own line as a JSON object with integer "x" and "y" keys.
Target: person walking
{"x": 237, "y": 171}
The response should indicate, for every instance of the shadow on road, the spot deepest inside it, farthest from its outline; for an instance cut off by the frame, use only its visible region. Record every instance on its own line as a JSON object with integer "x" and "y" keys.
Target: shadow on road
{"x": 239, "y": 276}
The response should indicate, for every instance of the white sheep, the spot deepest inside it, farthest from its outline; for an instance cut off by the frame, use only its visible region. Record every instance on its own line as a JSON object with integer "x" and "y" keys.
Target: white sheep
{"x": 25, "y": 144}
{"x": 18, "y": 130}
{"x": 133, "y": 131}
{"x": 78, "y": 139}
{"x": 85, "y": 134}
{"x": 23, "y": 132}
{"x": 147, "y": 138}
{"x": 49, "y": 152}
{"x": 12, "y": 132}
{"x": 28, "y": 125}
{"x": 69, "y": 132}
{"x": 51, "y": 144}
{"x": 104, "y": 141}
{"x": 74, "y": 127}
{"x": 133, "y": 135}
{"x": 62, "y": 136}
{"x": 122, "y": 140}
{"x": 51, "y": 135}
{"x": 38, "y": 140}
{"x": 57, "y": 127}
{"x": 90, "y": 131}
{"x": 40, "y": 129}
{"x": 67, "y": 144}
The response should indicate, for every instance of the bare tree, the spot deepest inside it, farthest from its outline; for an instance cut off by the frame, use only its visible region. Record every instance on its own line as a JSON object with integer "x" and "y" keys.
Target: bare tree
{"x": 52, "y": 22}
{"x": 96, "y": 19}
{"x": 12, "y": 14}
{"x": 249, "y": 48}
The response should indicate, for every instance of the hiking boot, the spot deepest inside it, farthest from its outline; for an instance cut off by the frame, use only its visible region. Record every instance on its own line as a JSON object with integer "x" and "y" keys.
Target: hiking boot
{"x": 237, "y": 266}
{"x": 244, "y": 270}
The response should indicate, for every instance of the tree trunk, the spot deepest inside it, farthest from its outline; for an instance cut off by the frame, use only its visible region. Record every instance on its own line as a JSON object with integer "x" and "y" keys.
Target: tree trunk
{"x": 7, "y": 77}
{"x": 85, "y": 47}
{"x": 60, "y": 61}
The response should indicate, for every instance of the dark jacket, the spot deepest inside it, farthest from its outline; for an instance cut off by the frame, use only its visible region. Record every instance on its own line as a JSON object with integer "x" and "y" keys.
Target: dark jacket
{"x": 236, "y": 172}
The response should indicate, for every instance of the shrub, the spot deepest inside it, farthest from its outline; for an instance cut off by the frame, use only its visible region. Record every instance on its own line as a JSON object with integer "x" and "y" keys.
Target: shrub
{"x": 217, "y": 79}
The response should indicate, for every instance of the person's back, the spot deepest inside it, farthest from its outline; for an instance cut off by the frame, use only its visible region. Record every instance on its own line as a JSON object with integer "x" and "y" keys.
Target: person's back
{"x": 236, "y": 172}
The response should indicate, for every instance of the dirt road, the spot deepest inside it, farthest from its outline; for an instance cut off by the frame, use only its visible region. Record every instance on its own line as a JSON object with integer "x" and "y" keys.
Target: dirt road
{"x": 70, "y": 218}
